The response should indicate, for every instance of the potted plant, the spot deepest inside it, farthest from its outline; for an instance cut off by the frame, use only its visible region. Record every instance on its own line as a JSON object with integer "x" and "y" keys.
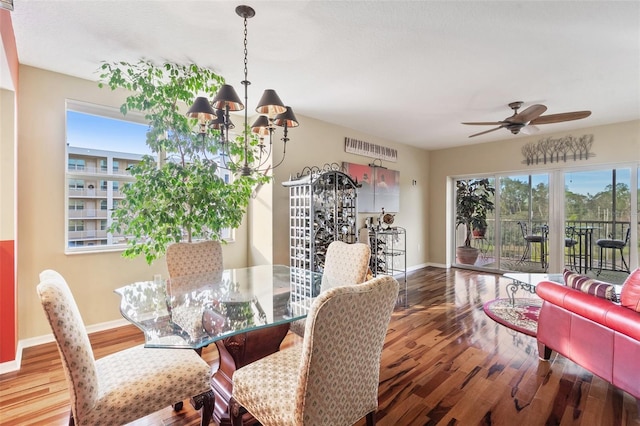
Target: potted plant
{"x": 474, "y": 201}
{"x": 177, "y": 194}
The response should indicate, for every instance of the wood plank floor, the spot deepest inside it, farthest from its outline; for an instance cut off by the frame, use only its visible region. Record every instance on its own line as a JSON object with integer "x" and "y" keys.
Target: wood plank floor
{"x": 444, "y": 363}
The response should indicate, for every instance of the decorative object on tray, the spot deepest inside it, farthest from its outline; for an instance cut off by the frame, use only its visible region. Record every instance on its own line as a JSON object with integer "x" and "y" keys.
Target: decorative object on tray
{"x": 368, "y": 149}
{"x": 379, "y": 187}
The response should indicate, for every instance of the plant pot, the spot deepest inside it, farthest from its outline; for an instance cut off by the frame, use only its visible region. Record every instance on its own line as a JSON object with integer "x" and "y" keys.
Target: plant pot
{"x": 479, "y": 233}
{"x": 467, "y": 255}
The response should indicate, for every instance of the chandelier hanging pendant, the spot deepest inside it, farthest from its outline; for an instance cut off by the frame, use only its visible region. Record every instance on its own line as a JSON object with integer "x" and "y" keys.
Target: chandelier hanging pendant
{"x": 272, "y": 110}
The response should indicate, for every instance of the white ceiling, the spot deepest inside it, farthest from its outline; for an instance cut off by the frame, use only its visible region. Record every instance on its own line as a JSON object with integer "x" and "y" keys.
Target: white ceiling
{"x": 406, "y": 71}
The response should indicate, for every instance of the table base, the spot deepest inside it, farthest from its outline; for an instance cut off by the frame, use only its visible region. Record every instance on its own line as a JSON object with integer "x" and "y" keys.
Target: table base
{"x": 236, "y": 352}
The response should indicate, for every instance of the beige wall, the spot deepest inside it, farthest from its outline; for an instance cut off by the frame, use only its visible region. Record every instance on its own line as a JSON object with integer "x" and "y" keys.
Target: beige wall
{"x": 41, "y": 192}
{"x": 263, "y": 238}
{"x": 613, "y": 144}
{"x": 315, "y": 143}
{"x": 93, "y": 277}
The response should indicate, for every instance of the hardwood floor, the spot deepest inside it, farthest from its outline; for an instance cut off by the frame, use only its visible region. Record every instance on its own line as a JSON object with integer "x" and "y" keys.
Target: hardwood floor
{"x": 444, "y": 363}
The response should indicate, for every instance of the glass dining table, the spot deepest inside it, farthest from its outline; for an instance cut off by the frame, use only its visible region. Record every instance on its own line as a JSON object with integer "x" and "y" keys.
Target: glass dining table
{"x": 245, "y": 312}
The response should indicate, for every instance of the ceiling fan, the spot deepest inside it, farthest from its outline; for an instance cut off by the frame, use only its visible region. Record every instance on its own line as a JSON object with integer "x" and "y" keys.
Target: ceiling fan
{"x": 530, "y": 117}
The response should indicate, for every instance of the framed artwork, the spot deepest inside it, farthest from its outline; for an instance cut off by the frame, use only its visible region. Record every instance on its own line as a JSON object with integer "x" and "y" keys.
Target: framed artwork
{"x": 380, "y": 187}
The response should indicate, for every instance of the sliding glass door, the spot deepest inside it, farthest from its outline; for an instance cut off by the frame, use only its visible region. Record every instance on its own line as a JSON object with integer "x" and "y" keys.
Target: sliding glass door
{"x": 598, "y": 208}
{"x": 524, "y": 215}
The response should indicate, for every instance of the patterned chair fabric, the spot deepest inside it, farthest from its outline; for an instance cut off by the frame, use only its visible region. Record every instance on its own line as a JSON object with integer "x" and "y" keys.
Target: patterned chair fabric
{"x": 126, "y": 385}
{"x": 332, "y": 377}
{"x": 194, "y": 258}
{"x": 345, "y": 264}
{"x": 183, "y": 261}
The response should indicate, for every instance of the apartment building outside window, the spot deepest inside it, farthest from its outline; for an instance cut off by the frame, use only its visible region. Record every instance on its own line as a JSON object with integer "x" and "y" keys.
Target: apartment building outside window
{"x": 100, "y": 148}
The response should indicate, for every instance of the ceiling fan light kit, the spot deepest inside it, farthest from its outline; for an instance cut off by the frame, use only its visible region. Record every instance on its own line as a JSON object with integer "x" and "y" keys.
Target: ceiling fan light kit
{"x": 527, "y": 120}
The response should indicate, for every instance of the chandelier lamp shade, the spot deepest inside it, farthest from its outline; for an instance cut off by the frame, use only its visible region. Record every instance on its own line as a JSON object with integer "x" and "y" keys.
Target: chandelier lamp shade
{"x": 273, "y": 113}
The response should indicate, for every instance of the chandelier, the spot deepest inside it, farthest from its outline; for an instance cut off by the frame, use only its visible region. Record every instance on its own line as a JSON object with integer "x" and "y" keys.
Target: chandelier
{"x": 273, "y": 112}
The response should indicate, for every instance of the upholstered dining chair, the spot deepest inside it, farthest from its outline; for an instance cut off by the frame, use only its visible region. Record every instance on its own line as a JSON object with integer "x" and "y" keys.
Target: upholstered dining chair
{"x": 126, "y": 385}
{"x": 190, "y": 266}
{"x": 194, "y": 258}
{"x": 345, "y": 264}
{"x": 332, "y": 377}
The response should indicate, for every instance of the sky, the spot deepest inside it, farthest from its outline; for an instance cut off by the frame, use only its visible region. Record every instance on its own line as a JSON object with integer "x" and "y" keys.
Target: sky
{"x": 94, "y": 132}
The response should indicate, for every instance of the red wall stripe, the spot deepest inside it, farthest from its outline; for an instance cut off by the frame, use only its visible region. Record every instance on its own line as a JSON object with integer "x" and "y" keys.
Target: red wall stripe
{"x": 8, "y": 330}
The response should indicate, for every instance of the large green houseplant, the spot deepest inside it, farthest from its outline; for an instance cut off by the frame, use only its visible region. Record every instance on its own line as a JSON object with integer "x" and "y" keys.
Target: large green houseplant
{"x": 474, "y": 201}
{"x": 177, "y": 194}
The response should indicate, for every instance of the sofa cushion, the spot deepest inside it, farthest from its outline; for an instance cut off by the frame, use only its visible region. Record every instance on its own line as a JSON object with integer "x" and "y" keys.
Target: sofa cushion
{"x": 630, "y": 294}
{"x": 589, "y": 285}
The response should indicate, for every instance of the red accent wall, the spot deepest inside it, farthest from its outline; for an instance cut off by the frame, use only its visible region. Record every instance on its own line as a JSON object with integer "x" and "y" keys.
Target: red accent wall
{"x": 8, "y": 291}
{"x": 8, "y": 331}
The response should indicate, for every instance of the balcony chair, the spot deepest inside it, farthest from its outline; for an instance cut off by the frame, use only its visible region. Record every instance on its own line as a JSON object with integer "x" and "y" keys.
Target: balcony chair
{"x": 611, "y": 243}
{"x": 191, "y": 265}
{"x": 332, "y": 377}
{"x": 126, "y": 385}
{"x": 570, "y": 244}
{"x": 530, "y": 238}
{"x": 345, "y": 264}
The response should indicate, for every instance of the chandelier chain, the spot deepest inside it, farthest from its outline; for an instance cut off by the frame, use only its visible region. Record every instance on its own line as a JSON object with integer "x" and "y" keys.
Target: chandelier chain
{"x": 246, "y": 51}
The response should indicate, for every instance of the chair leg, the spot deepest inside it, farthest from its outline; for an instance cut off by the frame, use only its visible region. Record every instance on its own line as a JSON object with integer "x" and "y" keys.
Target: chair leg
{"x": 206, "y": 402}
{"x": 526, "y": 252}
{"x": 371, "y": 418}
{"x": 235, "y": 412}
{"x": 624, "y": 262}
{"x": 600, "y": 264}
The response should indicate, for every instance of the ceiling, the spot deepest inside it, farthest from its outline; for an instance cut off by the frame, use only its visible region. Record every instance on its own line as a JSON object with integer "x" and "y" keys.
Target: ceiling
{"x": 405, "y": 71}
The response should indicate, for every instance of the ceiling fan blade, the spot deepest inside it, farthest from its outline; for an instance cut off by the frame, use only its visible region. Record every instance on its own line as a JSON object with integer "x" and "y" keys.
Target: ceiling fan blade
{"x": 558, "y": 118}
{"x": 484, "y": 123}
{"x": 486, "y": 131}
{"x": 529, "y": 114}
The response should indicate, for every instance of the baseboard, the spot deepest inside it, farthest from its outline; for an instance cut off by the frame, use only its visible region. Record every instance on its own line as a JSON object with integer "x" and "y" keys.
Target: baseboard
{"x": 7, "y": 367}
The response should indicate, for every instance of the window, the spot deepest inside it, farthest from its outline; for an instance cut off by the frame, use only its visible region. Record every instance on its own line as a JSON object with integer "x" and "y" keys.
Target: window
{"x": 100, "y": 140}
{"x": 76, "y": 205}
{"x": 76, "y": 225}
{"x": 76, "y": 164}
{"x": 76, "y": 184}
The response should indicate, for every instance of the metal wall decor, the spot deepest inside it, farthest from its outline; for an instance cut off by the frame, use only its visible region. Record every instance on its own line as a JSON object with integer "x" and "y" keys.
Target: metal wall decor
{"x": 367, "y": 149}
{"x": 555, "y": 150}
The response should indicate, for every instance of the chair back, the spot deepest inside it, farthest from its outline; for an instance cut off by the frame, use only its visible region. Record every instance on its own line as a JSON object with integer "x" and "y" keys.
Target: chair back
{"x": 345, "y": 264}
{"x": 194, "y": 258}
{"x": 628, "y": 236}
{"x": 341, "y": 350}
{"x": 72, "y": 339}
{"x": 523, "y": 228}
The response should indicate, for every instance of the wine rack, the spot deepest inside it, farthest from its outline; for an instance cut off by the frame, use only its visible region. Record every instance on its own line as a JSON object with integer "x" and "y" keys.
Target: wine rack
{"x": 322, "y": 209}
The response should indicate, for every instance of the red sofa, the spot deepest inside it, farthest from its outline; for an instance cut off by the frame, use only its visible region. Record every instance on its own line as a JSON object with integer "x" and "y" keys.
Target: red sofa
{"x": 595, "y": 333}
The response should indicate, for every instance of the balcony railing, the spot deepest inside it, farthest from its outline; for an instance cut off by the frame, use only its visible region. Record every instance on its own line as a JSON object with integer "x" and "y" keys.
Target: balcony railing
{"x": 513, "y": 244}
{"x": 87, "y": 214}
